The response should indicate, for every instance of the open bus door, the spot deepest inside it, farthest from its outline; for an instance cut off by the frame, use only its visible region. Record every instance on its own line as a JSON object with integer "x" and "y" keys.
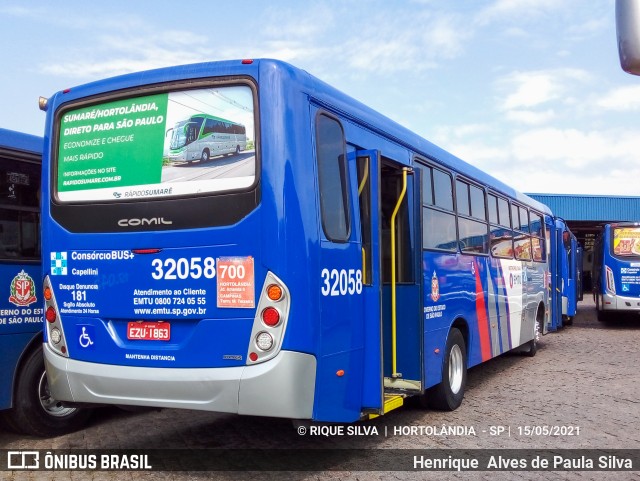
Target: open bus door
{"x": 367, "y": 165}
{"x": 389, "y": 200}
{"x": 571, "y": 246}
{"x": 557, "y": 251}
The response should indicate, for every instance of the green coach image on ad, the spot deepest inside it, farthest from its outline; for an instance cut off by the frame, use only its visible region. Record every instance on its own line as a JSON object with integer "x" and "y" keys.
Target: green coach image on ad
{"x": 167, "y": 144}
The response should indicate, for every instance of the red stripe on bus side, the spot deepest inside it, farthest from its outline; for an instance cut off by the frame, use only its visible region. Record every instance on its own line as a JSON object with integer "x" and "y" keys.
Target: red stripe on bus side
{"x": 483, "y": 322}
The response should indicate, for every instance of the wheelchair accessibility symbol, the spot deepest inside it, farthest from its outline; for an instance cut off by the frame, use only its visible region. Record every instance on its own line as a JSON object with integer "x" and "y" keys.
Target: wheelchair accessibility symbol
{"x": 84, "y": 339}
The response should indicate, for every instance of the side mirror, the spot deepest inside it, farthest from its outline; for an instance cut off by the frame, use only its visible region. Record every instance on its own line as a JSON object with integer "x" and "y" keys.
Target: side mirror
{"x": 628, "y": 31}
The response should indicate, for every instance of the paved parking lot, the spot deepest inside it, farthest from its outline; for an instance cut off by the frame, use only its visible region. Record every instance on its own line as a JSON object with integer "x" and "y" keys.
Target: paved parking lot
{"x": 585, "y": 380}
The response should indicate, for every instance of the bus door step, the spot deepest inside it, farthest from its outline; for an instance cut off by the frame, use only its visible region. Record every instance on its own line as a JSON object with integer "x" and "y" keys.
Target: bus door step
{"x": 394, "y": 383}
{"x": 391, "y": 402}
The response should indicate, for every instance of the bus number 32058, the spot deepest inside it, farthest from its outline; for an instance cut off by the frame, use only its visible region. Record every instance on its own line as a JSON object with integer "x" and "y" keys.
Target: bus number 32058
{"x": 183, "y": 268}
{"x": 341, "y": 282}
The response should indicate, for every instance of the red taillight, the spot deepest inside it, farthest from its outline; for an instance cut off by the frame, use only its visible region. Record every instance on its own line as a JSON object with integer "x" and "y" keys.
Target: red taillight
{"x": 51, "y": 314}
{"x": 271, "y": 316}
{"x": 253, "y": 356}
{"x": 247, "y": 61}
{"x": 611, "y": 283}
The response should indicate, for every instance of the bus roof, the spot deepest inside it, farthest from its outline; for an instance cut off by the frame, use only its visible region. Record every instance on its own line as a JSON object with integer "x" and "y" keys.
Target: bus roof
{"x": 10, "y": 139}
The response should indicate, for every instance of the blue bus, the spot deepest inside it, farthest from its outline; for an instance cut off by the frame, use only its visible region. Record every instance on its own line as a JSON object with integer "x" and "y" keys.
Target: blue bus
{"x": 566, "y": 274}
{"x": 344, "y": 266}
{"x": 616, "y": 271}
{"x": 26, "y": 404}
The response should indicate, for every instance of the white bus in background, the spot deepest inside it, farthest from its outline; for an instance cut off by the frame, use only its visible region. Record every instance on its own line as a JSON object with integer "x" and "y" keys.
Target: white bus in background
{"x": 203, "y": 136}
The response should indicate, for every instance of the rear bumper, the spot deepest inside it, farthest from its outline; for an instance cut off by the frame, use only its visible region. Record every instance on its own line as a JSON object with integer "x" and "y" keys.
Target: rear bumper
{"x": 281, "y": 387}
{"x": 619, "y": 303}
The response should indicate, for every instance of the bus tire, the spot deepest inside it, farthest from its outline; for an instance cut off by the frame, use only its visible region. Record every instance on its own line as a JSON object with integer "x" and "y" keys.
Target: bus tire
{"x": 601, "y": 315}
{"x": 447, "y": 396}
{"x": 532, "y": 345}
{"x": 205, "y": 155}
{"x": 34, "y": 411}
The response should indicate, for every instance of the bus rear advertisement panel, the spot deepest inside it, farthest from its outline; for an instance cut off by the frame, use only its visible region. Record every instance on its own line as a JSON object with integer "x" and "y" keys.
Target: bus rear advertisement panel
{"x": 97, "y": 144}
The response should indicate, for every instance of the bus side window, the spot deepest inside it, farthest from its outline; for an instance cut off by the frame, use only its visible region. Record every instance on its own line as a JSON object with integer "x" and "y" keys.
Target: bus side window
{"x": 501, "y": 234}
{"x": 522, "y": 240}
{"x": 442, "y": 189}
{"x": 332, "y": 178}
{"x": 192, "y": 133}
{"x": 472, "y": 218}
{"x": 19, "y": 238}
{"x": 537, "y": 237}
{"x": 19, "y": 210}
{"x": 439, "y": 227}
{"x": 208, "y": 127}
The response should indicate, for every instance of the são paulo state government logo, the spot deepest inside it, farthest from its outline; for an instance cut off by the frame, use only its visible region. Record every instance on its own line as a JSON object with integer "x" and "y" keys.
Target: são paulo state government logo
{"x": 23, "y": 290}
{"x": 435, "y": 288}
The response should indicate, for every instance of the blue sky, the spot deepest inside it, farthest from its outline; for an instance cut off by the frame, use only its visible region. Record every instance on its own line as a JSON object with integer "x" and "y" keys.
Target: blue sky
{"x": 530, "y": 91}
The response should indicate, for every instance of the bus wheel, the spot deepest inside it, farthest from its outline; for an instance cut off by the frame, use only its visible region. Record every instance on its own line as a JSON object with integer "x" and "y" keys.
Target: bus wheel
{"x": 447, "y": 396}
{"x": 533, "y": 343}
{"x": 205, "y": 155}
{"x": 34, "y": 410}
{"x": 601, "y": 315}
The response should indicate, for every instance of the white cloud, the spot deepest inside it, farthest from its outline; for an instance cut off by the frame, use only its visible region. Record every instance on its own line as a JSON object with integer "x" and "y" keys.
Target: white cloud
{"x": 390, "y": 46}
{"x": 309, "y": 35}
{"x": 530, "y": 117}
{"x": 118, "y": 54}
{"x": 621, "y": 98}
{"x": 560, "y": 160}
{"x": 589, "y": 28}
{"x": 530, "y": 89}
{"x": 293, "y": 24}
{"x": 562, "y": 148}
{"x": 507, "y": 9}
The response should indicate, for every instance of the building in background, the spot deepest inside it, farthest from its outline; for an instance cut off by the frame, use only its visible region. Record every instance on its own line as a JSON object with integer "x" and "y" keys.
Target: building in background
{"x": 586, "y": 214}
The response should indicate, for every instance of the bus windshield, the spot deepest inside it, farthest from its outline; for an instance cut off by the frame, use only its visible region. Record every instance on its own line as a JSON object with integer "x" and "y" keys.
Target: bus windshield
{"x": 626, "y": 242}
{"x": 121, "y": 149}
{"x": 178, "y": 136}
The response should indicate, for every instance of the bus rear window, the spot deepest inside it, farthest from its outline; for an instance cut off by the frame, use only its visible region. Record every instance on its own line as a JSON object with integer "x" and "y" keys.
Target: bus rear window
{"x": 626, "y": 241}
{"x": 177, "y": 143}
